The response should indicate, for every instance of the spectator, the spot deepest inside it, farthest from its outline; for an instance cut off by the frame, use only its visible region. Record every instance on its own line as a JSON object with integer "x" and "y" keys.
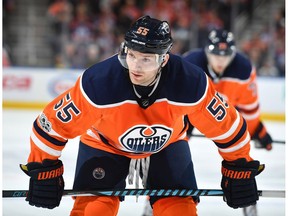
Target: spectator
{"x": 255, "y": 48}
{"x": 268, "y": 69}
{"x": 6, "y": 62}
{"x": 59, "y": 14}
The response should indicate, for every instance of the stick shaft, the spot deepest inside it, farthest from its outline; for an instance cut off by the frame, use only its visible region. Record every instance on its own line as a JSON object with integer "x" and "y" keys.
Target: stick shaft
{"x": 145, "y": 192}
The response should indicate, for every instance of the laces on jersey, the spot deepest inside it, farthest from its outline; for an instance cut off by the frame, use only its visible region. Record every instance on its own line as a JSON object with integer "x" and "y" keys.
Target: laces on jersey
{"x": 136, "y": 165}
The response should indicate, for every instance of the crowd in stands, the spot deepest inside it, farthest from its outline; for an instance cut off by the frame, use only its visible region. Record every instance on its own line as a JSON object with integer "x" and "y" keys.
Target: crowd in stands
{"x": 8, "y": 6}
{"x": 258, "y": 46}
{"x": 88, "y": 31}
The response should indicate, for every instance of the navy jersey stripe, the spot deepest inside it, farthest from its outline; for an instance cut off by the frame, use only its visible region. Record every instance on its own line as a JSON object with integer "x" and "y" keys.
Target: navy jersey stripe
{"x": 235, "y": 139}
{"x": 46, "y": 136}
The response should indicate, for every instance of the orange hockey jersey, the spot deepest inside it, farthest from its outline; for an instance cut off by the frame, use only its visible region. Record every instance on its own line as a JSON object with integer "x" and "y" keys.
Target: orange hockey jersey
{"x": 103, "y": 108}
{"x": 237, "y": 85}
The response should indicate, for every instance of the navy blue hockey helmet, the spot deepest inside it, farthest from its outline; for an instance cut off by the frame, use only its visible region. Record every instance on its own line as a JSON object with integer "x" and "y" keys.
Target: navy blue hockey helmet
{"x": 221, "y": 42}
{"x": 149, "y": 35}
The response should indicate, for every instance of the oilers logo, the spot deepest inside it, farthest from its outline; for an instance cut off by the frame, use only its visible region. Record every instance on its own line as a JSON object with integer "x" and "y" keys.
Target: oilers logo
{"x": 143, "y": 138}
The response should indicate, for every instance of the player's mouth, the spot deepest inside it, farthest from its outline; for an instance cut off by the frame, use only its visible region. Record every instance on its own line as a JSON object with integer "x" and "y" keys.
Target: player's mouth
{"x": 136, "y": 74}
{"x": 220, "y": 69}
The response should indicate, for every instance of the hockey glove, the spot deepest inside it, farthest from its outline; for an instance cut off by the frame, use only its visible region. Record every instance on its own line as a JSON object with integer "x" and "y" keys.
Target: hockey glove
{"x": 238, "y": 182}
{"x": 46, "y": 183}
{"x": 261, "y": 138}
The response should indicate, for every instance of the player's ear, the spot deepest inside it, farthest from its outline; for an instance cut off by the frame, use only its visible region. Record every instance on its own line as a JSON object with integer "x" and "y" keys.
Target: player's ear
{"x": 165, "y": 60}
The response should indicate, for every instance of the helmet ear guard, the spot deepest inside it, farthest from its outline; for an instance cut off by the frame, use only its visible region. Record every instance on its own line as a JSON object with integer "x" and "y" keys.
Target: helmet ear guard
{"x": 122, "y": 54}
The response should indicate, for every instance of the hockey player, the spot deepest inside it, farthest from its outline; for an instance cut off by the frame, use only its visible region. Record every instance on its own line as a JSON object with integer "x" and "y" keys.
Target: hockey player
{"x": 234, "y": 78}
{"x": 130, "y": 108}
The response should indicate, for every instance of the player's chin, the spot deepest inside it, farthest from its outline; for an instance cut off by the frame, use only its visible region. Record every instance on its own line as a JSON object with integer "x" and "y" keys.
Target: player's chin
{"x": 136, "y": 79}
{"x": 219, "y": 70}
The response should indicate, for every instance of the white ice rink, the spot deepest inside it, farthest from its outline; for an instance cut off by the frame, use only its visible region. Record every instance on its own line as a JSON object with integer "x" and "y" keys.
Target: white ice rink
{"x": 16, "y": 130}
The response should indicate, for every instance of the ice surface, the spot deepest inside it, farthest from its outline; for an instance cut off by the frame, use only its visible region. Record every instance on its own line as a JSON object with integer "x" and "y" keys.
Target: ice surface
{"x": 16, "y": 131}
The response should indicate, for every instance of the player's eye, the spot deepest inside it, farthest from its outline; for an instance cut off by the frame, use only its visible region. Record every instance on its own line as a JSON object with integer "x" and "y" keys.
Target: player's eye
{"x": 146, "y": 60}
{"x": 131, "y": 55}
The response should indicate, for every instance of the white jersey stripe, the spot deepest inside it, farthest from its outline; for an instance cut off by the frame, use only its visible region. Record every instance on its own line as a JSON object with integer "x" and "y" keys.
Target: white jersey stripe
{"x": 248, "y": 106}
{"x": 251, "y": 116}
{"x": 92, "y": 134}
{"x": 44, "y": 147}
{"x": 230, "y": 131}
{"x": 235, "y": 148}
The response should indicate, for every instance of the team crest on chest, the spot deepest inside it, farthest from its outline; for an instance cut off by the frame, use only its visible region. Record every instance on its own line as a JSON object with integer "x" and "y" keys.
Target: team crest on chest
{"x": 143, "y": 138}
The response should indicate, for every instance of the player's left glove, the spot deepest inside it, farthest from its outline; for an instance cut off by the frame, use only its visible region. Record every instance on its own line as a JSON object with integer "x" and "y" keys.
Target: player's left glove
{"x": 261, "y": 138}
{"x": 238, "y": 182}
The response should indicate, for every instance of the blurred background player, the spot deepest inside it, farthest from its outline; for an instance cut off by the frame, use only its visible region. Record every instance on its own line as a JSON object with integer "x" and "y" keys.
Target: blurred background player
{"x": 153, "y": 88}
{"x": 234, "y": 77}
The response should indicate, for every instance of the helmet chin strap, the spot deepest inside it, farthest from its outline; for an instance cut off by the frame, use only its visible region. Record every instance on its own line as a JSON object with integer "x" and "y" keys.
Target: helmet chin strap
{"x": 155, "y": 82}
{"x": 215, "y": 76}
{"x": 158, "y": 72}
{"x": 157, "y": 77}
{"x": 159, "y": 69}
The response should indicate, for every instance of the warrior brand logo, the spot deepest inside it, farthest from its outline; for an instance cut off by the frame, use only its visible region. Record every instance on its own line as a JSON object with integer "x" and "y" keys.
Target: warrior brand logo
{"x": 233, "y": 174}
{"x": 50, "y": 174}
{"x": 142, "y": 138}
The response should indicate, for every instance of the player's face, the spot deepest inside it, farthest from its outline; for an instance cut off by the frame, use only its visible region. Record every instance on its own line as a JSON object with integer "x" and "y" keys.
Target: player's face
{"x": 143, "y": 67}
{"x": 219, "y": 63}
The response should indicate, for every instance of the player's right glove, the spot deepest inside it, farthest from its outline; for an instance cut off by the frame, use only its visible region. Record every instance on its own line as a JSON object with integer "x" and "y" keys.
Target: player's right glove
{"x": 46, "y": 183}
{"x": 262, "y": 138}
{"x": 238, "y": 182}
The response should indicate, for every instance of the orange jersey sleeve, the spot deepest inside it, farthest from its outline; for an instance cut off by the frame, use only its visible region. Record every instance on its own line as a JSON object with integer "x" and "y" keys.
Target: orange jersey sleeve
{"x": 62, "y": 119}
{"x": 243, "y": 94}
{"x": 237, "y": 84}
{"x": 218, "y": 120}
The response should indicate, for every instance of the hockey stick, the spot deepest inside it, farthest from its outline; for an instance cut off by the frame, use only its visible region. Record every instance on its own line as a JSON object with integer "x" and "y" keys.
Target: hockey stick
{"x": 273, "y": 141}
{"x": 145, "y": 192}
